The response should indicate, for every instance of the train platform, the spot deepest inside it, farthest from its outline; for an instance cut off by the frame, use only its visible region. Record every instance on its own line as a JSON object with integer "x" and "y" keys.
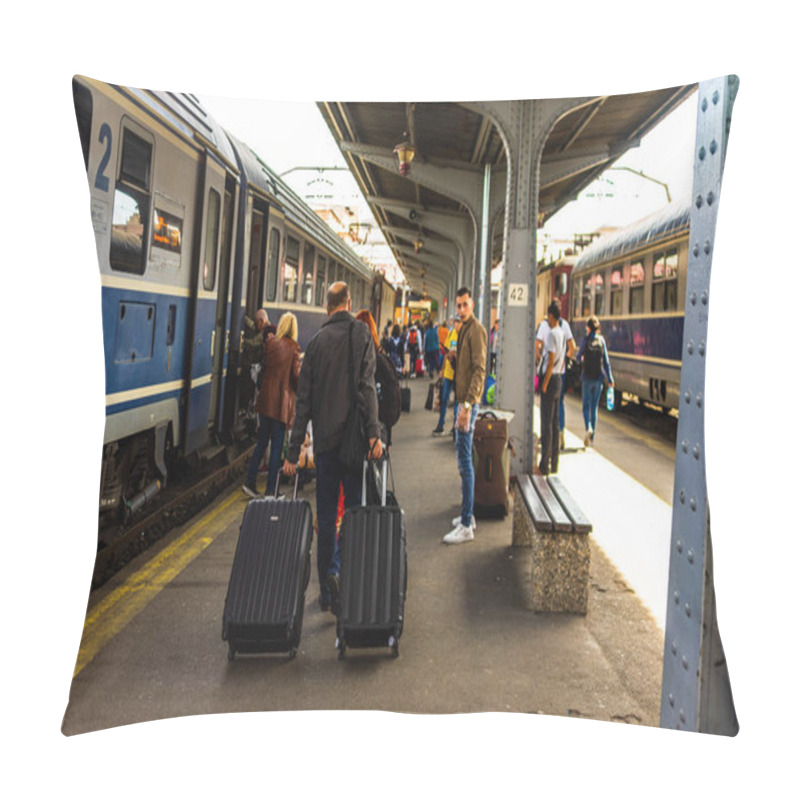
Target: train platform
{"x": 152, "y": 646}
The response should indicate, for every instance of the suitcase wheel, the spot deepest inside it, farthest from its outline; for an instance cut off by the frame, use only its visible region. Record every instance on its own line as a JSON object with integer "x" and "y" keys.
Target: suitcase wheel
{"x": 395, "y": 645}
{"x": 292, "y": 653}
{"x": 340, "y": 645}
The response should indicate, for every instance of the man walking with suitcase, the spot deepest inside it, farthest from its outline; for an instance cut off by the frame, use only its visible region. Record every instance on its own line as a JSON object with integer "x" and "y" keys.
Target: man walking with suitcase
{"x": 323, "y": 396}
{"x": 470, "y": 368}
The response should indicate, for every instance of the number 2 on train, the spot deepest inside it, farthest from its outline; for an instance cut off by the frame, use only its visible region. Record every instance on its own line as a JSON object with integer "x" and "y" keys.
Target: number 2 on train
{"x": 101, "y": 180}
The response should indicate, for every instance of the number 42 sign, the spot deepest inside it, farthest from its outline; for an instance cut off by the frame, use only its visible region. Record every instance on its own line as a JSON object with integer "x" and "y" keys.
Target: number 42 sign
{"x": 518, "y": 294}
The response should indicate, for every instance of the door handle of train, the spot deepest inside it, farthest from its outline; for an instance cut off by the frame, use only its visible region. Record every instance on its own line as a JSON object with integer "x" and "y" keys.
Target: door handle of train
{"x": 227, "y": 340}
{"x": 213, "y": 339}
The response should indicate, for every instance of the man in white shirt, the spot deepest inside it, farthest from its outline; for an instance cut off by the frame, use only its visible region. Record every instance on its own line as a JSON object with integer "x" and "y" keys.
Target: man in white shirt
{"x": 541, "y": 336}
{"x": 555, "y": 349}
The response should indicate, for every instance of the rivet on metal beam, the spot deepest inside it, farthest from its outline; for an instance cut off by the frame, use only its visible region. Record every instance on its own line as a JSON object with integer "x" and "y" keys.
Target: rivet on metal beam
{"x": 690, "y": 347}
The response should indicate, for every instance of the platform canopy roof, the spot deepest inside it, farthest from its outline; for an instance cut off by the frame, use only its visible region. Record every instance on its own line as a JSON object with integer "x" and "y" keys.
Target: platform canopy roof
{"x": 581, "y": 146}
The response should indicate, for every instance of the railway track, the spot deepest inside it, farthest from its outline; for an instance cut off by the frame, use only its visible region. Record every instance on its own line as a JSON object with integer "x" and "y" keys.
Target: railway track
{"x": 118, "y": 545}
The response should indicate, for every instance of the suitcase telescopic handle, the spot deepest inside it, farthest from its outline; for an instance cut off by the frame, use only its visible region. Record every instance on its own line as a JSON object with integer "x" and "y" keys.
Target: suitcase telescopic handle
{"x": 296, "y": 484}
{"x": 384, "y": 459}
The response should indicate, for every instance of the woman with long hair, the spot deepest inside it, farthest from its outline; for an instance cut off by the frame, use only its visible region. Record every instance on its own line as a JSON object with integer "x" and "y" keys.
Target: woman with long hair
{"x": 385, "y": 379}
{"x": 593, "y": 359}
{"x": 280, "y": 368}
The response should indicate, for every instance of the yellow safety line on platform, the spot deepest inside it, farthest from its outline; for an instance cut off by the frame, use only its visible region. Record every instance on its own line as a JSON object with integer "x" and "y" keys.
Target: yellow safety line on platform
{"x": 116, "y": 610}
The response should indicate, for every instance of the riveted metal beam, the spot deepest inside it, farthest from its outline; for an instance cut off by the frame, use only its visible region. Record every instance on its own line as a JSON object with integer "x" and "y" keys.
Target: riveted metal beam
{"x": 696, "y": 691}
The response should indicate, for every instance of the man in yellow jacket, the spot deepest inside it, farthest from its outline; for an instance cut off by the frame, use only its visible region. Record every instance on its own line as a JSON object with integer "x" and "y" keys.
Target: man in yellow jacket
{"x": 448, "y": 378}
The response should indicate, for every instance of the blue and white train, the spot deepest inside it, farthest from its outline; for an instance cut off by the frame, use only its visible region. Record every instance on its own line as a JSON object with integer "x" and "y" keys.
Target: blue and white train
{"x": 634, "y": 281}
{"x": 193, "y": 232}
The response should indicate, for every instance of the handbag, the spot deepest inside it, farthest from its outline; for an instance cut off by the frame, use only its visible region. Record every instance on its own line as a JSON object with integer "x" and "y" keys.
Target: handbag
{"x": 353, "y": 446}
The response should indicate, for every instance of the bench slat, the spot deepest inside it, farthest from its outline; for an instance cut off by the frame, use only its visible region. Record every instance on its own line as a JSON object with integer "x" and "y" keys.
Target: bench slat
{"x": 561, "y": 522}
{"x": 579, "y": 519}
{"x": 541, "y": 519}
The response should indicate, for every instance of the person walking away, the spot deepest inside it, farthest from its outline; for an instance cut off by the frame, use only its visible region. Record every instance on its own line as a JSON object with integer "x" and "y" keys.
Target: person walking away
{"x": 413, "y": 349}
{"x": 395, "y": 349}
{"x": 448, "y": 378}
{"x": 386, "y": 382}
{"x": 593, "y": 360}
{"x": 275, "y": 401}
{"x": 470, "y": 373}
{"x": 324, "y": 398}
{"x": 431, "y": 349}
{"x": 554, "y": 354}
{"x": 541, "y": 337}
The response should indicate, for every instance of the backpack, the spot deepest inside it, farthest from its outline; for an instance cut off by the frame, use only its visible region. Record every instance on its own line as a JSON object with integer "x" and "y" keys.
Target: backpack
{"x": 412, "y": 336}
{"x": 388, "y": 390}
{"x": 593, "y": 358}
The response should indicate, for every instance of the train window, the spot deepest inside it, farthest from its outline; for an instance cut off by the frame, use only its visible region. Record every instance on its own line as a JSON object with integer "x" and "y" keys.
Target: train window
{"x": 599, "y": 294}
{"x": 636, "y": 302}
{"x": 307, "y": 295}
{"x": 576, "y": 301}
{"x": 561, "y": 284}
{"x": 82, "y": 99}
{"x": 321, "y": 281}
{"x": 665, "y": 281}
{"x": 134, "y": 166}
{"x": 616, "y": 291}
{"x": 127, "y": 252}
{"x": 272, "y": 264}
{"x": 290, "y": 270}
{"x": 212, "y": 238}
{"x": 586, "y": 304}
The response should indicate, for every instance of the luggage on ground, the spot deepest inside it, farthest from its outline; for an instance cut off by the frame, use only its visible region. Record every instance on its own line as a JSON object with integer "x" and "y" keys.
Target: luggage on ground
{"x": 419, "y": 369}
{"x": 271, "y": 568}
{"x": 373, "y": 578}
{"x": 490, "y": 458}
{"x": 405, "y": 397}
{"x": 434, "y": 394}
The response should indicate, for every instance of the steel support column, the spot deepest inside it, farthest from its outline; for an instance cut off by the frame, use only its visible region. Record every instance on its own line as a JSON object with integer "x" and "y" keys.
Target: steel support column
{"x": 523, "y": 126}
{"x": 696, "y": 693}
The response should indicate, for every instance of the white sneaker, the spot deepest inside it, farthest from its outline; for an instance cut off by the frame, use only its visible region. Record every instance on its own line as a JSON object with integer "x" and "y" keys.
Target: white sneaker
{"x": 250, "y": 492}
{"x": 459, "y": 534}
{"x": 457, "y": 521}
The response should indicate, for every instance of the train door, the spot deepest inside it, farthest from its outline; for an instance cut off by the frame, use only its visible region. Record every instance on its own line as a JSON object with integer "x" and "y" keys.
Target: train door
{"x": 221, "y": 336}
{"x": 206, "y": 288}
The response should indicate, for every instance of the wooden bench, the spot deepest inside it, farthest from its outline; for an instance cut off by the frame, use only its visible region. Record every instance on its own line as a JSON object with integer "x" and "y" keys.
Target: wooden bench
{"x": 547, "y": 519}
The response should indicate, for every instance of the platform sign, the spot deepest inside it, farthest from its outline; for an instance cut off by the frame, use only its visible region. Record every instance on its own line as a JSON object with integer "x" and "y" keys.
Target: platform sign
{"x": 517, "y": 294}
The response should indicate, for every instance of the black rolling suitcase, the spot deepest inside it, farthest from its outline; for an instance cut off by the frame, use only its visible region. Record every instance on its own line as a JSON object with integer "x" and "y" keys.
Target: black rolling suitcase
{"x": 405, "y": 397}
{"x": 373, "y": 579}
{"x": 271, "y": 569}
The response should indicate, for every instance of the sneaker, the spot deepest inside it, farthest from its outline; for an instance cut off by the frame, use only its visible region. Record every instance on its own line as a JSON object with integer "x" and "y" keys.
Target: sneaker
{"x": 333, "y": 588}
{"x": 438, "y": 431}
{"x": 459, "y": 535}
{"x": 250, "y": 492}
{"x": 457, "y": 521}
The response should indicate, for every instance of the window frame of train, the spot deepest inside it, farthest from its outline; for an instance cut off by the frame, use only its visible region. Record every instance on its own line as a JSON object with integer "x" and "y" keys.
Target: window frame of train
{"x": 133, "y": 188}
{"x": 273, "y": 262}
{"x": 664, "y": 288}
{"x": 638, "y": 287}
{"x": 615, "y": 305}
{"x": 599, "y": 293}
{"x": 307, "y": 286}
{"x": 322, "y": 262}
{"x": 212, "y": 239}
{"x": 291, "y": 269}
{"x": 586, "y": 296}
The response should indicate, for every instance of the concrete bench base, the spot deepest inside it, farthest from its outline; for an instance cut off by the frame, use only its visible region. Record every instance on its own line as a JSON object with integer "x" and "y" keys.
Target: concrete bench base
{"x": 560, "y": 574}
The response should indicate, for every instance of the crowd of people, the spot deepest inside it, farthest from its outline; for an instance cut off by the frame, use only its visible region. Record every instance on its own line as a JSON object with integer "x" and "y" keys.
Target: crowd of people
{"x": 348, "y": 369}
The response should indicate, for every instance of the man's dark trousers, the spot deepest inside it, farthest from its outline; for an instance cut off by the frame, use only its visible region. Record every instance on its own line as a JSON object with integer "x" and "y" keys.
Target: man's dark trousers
{"x": 330, "y": 473}
{"x": 550, "y": 430}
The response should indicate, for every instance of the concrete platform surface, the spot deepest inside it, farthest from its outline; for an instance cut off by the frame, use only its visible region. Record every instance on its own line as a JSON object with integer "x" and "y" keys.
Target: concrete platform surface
{"x": 152, "y": 646}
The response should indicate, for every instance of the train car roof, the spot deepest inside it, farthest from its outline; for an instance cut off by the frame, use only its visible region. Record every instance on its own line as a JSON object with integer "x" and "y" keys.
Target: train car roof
{"x": 263, "y": 178}
{"x": 649, "y": 230}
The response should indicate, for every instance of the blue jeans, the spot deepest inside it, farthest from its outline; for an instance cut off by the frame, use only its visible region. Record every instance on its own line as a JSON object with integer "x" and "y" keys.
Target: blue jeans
{"x": 331, "y": 473}
{"x": 432, "y": 359}
{"x": 447, "y": 385}
{"x": 591, "y": 391}
{"x": 270, "y": 433}
{"x": 561, "y": 402}
{"x": 465, "y": 467}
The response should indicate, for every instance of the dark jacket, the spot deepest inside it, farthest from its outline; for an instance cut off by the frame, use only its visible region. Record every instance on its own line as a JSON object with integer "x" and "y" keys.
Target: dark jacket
{"x": 280, "y": 369}
{"x": 323, "y": 392}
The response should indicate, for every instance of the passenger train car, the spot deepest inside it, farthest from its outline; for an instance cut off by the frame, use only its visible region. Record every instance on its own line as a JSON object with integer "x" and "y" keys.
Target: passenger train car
{"x": 634, "y": 281}
{"x": 193, "y": 232}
